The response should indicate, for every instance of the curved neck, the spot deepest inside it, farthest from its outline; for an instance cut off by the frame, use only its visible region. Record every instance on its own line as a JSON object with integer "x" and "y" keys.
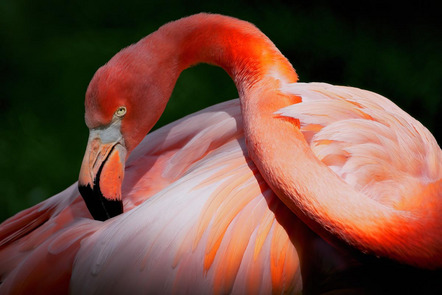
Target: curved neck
{"x": 243, "y": 51}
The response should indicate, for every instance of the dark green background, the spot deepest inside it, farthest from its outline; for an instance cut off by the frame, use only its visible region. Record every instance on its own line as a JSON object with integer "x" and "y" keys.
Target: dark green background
{"x": 49, "y": 51}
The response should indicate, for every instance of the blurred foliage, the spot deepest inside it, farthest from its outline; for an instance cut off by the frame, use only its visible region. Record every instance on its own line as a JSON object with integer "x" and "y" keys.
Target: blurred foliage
{"x": 50, "y": 49}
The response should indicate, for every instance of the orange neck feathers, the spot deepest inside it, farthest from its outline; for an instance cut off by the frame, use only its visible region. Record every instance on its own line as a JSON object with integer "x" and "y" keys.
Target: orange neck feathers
{"x": 243, "y": 51}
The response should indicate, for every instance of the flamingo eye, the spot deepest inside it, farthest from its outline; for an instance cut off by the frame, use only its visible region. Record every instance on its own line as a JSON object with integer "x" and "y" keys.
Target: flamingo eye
{"x": 121, "y": 111}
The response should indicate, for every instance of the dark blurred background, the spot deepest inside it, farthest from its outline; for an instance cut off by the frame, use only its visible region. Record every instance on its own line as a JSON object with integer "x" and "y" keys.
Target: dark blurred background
{"x": 50, "y": 49}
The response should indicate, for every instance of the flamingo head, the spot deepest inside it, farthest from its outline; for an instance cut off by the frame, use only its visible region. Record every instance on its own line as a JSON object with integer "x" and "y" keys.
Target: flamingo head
{"x": 122, "y": 104}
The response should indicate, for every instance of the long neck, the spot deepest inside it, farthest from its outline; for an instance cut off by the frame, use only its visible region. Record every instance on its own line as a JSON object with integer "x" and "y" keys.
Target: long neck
{"x": 243, "y": 51}
{"x": 279, "y": 150}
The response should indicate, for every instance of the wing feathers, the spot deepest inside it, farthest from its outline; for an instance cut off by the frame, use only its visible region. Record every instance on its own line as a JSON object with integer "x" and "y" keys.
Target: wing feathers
{"x": 366, "y": 139}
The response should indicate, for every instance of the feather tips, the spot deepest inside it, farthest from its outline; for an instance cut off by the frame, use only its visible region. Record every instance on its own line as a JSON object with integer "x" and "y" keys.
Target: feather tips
{"x": 365, "y": 139}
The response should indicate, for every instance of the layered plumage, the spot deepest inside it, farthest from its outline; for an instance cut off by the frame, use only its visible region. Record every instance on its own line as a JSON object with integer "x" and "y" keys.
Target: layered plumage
{"x": 202, "y": 196}
{"x": 189, "y": 195}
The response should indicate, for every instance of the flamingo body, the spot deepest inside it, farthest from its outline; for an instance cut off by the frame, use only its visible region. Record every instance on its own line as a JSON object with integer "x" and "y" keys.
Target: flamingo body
{"x": 167, "y": 204}
{"x": 214, "y": 204}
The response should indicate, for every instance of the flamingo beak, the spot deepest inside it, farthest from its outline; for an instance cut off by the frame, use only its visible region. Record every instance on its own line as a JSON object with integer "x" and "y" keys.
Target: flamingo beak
{"x": 102, "y": 172}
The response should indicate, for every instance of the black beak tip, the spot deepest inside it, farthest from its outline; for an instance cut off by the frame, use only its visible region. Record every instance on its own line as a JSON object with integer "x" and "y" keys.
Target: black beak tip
{"x": 99, "y": 206}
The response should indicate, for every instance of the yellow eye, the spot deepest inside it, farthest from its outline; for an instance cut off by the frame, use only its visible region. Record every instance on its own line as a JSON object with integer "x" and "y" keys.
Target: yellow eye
{"x": 121, "y": 111}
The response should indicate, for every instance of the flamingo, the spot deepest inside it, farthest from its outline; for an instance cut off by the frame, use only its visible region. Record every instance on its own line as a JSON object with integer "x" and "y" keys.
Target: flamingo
{"x": 284, "y": 190}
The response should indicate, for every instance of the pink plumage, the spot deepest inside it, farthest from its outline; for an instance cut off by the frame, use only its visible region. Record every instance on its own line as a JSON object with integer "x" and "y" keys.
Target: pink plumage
{"x": 266, "y": 194}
